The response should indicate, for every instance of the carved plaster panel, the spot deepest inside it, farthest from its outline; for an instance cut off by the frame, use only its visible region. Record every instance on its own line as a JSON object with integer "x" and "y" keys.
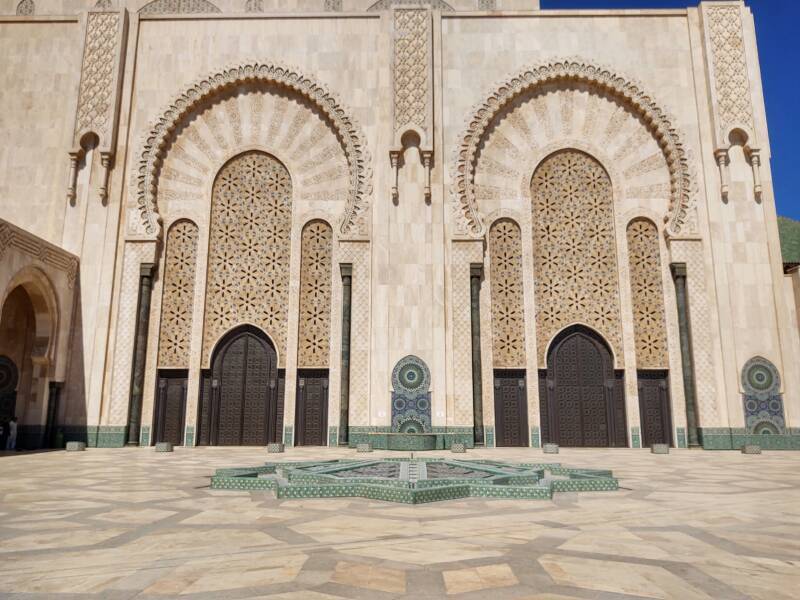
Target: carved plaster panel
{"x": 412, "y": 69}
{"x": 649, "y": 322}
{"x": 313, "y": 348}
{"x": 177, "y": 303}
{"x": 96, "y": 97}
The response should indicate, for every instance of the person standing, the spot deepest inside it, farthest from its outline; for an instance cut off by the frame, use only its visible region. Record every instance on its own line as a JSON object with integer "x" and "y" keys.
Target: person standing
{"x": 11, "y": 444}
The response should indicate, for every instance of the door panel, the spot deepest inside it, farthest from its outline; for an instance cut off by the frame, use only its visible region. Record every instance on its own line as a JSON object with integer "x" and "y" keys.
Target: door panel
{"x": 654, "y": 408}
{"x": 585, "y": 396}
{"x": 170, "y": 407}
{"x": 510, "y": 408}
{"x": 312, "y": 407}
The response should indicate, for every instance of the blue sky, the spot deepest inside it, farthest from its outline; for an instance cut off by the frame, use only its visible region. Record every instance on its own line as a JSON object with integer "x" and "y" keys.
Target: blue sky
{"x": 779, "y": 52}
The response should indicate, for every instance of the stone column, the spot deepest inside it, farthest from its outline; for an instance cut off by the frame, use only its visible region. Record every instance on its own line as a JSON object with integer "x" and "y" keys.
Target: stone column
{"x": 475, "y": 276}
{"x": 140, "y": 353}
{"x": 679, "y": 276}
{"x": 344, "y": 403}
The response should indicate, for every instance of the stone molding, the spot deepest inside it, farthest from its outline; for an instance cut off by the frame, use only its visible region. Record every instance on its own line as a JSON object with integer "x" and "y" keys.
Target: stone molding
{"x": 168, "y": 7}
{"x": 154, "y": 145}
{"x": 682, "y": 195}
{"x": 12, "y": 236}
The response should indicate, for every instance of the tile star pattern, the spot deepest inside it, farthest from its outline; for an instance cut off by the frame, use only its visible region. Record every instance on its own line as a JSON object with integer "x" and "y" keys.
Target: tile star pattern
{"x": 249, "y": 249}
{"x": 575, "y": 261}
{"x": 177, "y": 303}
{"x": 314, "y": 339}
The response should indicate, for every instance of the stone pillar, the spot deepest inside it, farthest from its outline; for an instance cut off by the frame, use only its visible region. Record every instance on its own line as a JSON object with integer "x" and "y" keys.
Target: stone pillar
{"x": 475, "y": 276}
{"x": 140, "y": 353}
{"x": 344, "y": 403}
{"x": 687, "y": 360}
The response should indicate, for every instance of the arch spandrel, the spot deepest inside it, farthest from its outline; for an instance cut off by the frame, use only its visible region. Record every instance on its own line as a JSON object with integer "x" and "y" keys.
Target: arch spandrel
{"x": 571, "y": 99}
{"x": 255, "y": 105}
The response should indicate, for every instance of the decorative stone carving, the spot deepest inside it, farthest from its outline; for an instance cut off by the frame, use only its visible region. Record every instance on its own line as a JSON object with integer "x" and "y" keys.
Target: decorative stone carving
{"x": 178, "y": 296}
{"x": 487, "y": 4}
{"x": 254, "y": 6}
{"x": 763, "y": 401}
{"x": 411, "y": 396}
{"x": 26, "y": 8}
{"x": 358, "y": 254}
{"x": 104, "y": 4}
{"x": 387, "y": 4}
{"x": 508, "y": 313}
{"x": 170, "y": 7}
{"x": 53, "y": 256}
{"x": 574, "y": 249}
{"x": 352, "y": 141}
{"x": 314, "y": 338}
{"x": 249, "y": 250}
{"x": 411, "y": 68}
{"x": 732, "y": 84}
{"x": 649, "y": 321}
{"x": 630, "y": 93}
{"x": 333, "y": 5}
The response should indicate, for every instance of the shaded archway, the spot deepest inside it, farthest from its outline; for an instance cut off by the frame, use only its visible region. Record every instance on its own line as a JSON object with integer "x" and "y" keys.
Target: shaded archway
{"x": 242, "y": 402}
{"x": 582, "y": 396}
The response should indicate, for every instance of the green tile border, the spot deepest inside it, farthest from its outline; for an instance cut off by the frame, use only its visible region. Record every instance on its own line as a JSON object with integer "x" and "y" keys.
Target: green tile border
{"x": 288, "y": 436}
{"x": 727, "y": 438}
{"x": 636, "y": 440}
{"x": 681, "y": 431}
{"x": 188, "y": 436}
{"x": 144, "y": 435}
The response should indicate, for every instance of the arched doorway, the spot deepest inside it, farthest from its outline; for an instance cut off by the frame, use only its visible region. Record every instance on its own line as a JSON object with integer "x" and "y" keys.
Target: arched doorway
{"x": 242, "y": 404}
{"x": 582, "y": 403}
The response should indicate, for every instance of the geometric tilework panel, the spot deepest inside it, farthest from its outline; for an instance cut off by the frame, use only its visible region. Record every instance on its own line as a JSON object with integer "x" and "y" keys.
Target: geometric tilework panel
{"x": 249, "y": 249}
{"x": 763, "y": 401}
{"x": 574, "y": 252}
{"x": 315, "y": 296}
{"x": 649, "y": 322}
{"x": 178, "y": 297}
{"x": 730, "y": 67}
{"x": 508, "y": 323}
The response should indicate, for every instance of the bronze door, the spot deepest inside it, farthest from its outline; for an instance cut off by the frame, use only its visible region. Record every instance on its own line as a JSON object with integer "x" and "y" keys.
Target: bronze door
{"x": 654, "y": 408}
{"x": 585, "y": 399}
{"x": 510, "y": 408}
{"x": 311, "y": 420}
{"x": 170, "y": 407}
{"x": 244, "y": 390}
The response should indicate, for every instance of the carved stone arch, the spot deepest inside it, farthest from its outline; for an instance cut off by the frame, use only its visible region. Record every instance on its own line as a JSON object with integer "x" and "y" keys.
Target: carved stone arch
{"x": 576, "y": 71}
{"x": 169, "y": 7}
{"x": 157, "y": 142}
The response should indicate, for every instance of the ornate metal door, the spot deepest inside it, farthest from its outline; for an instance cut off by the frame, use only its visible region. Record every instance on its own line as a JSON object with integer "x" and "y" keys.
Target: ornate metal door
{"x": 170, "y": 407}
{"x": 312, "y": 407}
{"x": 654, "y": 408}
{"x": 244, "y": 390}
{"x": 585, "y": 403}
{"x": 510, "y": 408}
{"x": 9, "y": 376}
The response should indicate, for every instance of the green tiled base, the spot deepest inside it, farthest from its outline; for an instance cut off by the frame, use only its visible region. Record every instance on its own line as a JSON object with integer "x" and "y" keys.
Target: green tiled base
{"x": 681, "y": 437}
{"x": 489, "y": 433}
{"x": 188, "y": 438}
{"x": 724, "y": 438}
{"x": 333, "y": 436}
{"x": 288, "y": 436}
{"x": 408, "y": 481}
{"x": 536, "y": 441}
{"x": 104, "y": 436}
{"x": 144, "y": 436}
{"x": 382, "y": 438}
{"x": 636, "y": 440}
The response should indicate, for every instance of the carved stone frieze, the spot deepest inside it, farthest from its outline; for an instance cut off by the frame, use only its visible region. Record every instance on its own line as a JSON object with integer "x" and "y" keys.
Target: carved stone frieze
{"x": 649, "y": 321}
{"x": 411, "y": 68}
{"x": 169, "y": 7}
{"x": 352, "y": 140}
{"x": 732, "y": 84}
{"x": 574, "y": 249}
{"x": 38, "y": 249}
{"x": 604, "y": 80}
{"x": 313, "y": 346}
{"x": 249, "y": 250}
{"x": 508, "y": 309}
{"x": 177, "y": 302}
{"x": 387, "y": 4}
{"x": 96, "y": 96}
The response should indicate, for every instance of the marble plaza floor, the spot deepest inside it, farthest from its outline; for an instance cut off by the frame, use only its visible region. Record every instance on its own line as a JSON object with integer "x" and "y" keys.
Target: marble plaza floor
{"x": 131, "y": 523}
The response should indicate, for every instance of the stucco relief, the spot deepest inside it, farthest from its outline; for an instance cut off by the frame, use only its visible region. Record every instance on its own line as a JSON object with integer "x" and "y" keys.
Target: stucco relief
{"x": 649, "y": 322}
{"x": 294, "y": 114}
{"x": 177, "y": 304}
{"x": 161, "y": 7}
{"x": 558, "y": 99}
{"x": 574, "y": 249}
{"x": 96, "y": 94}
{"x": 732, "y": 84}
{"x": 313, "y": 345}
{"x": 38, "y": 249}
{"x": 411, "y": 68}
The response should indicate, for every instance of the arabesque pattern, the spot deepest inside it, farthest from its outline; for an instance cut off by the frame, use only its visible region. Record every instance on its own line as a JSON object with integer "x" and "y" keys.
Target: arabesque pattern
{"x": 411, "y": 67}
{"x": 315, "y": 296}
{"x": 97, "y": 74}
{"x": 177, "y": 302}
{"x": 508, "y": 315}
{"x": 574, "y": 249}
{"x": 649, "y": 322}
{"x": 249, "y": 249}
